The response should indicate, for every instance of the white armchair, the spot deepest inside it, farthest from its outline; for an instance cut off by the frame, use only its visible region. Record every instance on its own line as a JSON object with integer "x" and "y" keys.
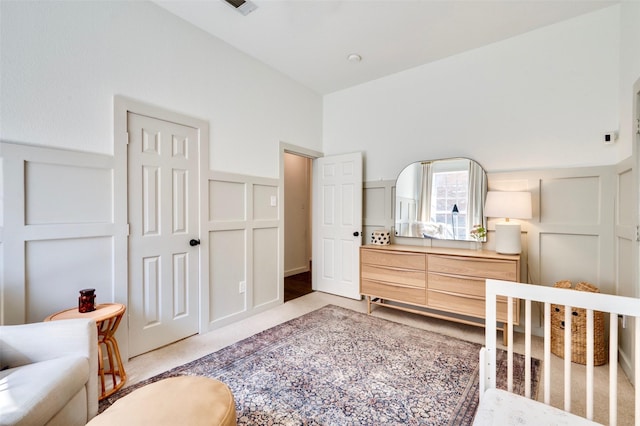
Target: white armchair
{"x": 49, "y": 373}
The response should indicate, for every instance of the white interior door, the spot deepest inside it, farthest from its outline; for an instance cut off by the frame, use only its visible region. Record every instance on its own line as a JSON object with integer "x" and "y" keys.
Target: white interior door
{"x": 163, "y": 219}
{"x": 337, "y": 224}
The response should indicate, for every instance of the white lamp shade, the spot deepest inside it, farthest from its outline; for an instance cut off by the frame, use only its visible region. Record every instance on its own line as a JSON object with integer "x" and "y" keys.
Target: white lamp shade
{"x": 510, "y": 205}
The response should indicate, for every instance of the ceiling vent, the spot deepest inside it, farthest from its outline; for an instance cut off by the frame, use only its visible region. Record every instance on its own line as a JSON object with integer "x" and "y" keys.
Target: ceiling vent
{"x": 243, "y": 6}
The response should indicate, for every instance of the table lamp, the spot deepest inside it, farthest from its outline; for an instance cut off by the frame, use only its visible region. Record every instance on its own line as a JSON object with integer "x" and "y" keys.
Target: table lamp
{"x": 509, "y": 205}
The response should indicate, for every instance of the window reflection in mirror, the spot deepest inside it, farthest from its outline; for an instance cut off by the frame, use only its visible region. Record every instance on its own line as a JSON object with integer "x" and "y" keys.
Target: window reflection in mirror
{"x": 440, "y": 199}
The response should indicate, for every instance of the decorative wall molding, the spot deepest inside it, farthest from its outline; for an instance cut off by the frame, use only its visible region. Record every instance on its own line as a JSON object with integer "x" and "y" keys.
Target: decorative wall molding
{"x": 60, "y": 233}
{"x": 243, "y": 229}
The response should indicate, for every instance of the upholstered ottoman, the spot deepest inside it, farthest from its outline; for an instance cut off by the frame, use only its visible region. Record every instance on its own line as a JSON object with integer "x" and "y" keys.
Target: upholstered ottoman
{"x": 184, "y": 400}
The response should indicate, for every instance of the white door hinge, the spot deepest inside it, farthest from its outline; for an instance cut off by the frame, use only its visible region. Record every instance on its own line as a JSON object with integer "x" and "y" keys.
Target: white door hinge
{"x": 638, "y": 126}
{"x": 637, "y": 232}
{"x": 128, "y": 230}
{"x": 128, "y": 137}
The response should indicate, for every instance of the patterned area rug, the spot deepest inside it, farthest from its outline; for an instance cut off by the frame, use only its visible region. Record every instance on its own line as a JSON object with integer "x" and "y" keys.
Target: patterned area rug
{"x": 335, "y": 366}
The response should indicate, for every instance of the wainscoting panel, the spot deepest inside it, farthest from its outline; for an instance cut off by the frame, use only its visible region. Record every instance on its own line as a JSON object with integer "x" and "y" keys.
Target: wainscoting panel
{"x": 372, "y": 198}
{"x": 245, "y": 266}
{"x": 570, "y": 236}
{"x": 53, "y": 187}
{"x": 627, "y": 249}
{"x": 55, "y": 271}
{"x": 60, "y": 233}
{"x": 377, "y": 202}
{"x": 227, "y": 266}
{"x": 570, "y": 200}
{"x": 265, "y": 267}
{"x": 265, "y": 202}
{"x": 626, "y": 207}
{"x": 567, "y": 255}
{"x": 230, "y": 201}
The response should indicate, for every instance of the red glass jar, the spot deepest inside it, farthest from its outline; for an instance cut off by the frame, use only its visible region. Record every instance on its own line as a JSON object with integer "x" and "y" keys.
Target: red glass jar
{"x": 87, "y": 300}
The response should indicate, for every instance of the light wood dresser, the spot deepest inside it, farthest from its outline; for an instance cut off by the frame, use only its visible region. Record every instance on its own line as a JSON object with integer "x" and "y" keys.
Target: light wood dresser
{"x": 444, "y": 283}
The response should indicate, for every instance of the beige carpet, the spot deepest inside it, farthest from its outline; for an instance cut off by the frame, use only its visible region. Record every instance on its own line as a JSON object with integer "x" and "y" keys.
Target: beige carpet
{"x": 156, "y": 362}
{"x": 338, "y": 366}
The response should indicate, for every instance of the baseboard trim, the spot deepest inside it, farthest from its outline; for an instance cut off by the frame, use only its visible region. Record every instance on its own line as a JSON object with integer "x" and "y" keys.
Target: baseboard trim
{"x": 296, "y": 271}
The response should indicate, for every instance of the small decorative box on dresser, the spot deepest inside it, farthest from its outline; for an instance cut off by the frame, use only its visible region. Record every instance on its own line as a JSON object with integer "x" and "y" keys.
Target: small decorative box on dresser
{"x": 449, "y": 283}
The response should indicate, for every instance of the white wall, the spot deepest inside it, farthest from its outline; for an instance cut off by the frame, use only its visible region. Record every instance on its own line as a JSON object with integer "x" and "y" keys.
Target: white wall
{"x": 62, "y": 63}
{"x": 629, "y": 72}
{"x": 540, "y": 100}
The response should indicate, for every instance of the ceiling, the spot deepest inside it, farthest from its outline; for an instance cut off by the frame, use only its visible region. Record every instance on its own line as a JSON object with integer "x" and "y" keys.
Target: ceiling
{"x": 310, "y": 40}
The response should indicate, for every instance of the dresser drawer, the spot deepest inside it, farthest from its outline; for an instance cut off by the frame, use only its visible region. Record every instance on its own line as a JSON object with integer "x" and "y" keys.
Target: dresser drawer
{"x": 394, "y": 259}
{"x": 457, "y": 284}
{"x": 485, "y": 268}
{"x": 468, "y": 305}
{"x": 389, "y": 291}
{"x": 407, "y": 277}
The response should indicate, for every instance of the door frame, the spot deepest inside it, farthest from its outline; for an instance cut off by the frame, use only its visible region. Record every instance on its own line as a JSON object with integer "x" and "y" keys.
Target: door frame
{"x": 122, "y": 105}
{"x": 302, "y": 152}
{"x": 635, "y": 154}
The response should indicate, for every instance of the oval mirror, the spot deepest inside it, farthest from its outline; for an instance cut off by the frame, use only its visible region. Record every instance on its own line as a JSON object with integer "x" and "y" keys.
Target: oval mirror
{"x": 440, "y": 199}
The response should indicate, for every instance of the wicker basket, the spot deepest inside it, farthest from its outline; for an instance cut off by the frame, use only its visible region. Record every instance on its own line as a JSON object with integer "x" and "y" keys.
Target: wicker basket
{"x": 578, "y": 329}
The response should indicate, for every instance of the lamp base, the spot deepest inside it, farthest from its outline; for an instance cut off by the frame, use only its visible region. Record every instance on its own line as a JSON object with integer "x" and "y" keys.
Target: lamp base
{"x": 508, "y": 238}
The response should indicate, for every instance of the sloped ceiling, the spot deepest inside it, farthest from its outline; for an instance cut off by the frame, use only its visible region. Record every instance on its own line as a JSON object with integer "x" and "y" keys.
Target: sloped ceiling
{"x": 310, "y": 40}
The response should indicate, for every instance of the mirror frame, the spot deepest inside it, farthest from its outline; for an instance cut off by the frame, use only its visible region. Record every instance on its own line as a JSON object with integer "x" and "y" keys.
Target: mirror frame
{"x": 424, "y": 208}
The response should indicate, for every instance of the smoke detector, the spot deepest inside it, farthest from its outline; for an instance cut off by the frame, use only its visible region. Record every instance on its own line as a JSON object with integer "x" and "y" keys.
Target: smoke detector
{"x": 243, "y": 6}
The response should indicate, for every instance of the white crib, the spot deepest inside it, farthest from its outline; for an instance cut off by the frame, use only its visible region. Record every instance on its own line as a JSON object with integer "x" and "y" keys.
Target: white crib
{"x": 500, "y": 407}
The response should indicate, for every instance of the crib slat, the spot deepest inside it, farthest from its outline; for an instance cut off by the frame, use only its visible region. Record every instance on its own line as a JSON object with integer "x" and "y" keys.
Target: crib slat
{"x": 637, "y": 370}
{"x": 567, "y": 358}
{"x": 510, "y": 344}
{"x": 613, "y": 369}
{"x": 590, "y": 364}
{"x": 547, "y": 353}
{"x": 489, "y": 380}
{"x": 527, "y": 349}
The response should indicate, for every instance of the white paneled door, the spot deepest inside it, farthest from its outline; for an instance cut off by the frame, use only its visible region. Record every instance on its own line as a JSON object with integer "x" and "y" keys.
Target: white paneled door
{"x": 337, "y": 224}
{"x": 164, "y": 229}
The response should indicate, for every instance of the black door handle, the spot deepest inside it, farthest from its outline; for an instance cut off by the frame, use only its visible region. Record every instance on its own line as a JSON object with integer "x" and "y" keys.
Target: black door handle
{"x": 194, "y": 242}
{"x": 356, "y": 234}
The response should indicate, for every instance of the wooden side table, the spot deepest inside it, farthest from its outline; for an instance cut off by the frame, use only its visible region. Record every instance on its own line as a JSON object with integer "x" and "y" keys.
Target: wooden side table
{"x": 107, "y": 317}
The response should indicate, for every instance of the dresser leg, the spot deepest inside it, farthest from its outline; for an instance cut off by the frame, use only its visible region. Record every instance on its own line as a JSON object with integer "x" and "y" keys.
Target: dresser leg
{"x": 504, "y": 334}
{"x": 369, "y": 305}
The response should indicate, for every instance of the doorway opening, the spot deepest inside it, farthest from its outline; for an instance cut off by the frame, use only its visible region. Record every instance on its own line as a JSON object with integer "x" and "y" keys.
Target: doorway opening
{"x": 297, "y": 285}
{"x": 297, "y": 225}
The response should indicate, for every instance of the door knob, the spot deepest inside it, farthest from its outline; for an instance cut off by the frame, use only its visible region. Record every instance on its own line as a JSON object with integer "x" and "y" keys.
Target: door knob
{"x": 194, "y": 242}
{"x": 356, "y": 234}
